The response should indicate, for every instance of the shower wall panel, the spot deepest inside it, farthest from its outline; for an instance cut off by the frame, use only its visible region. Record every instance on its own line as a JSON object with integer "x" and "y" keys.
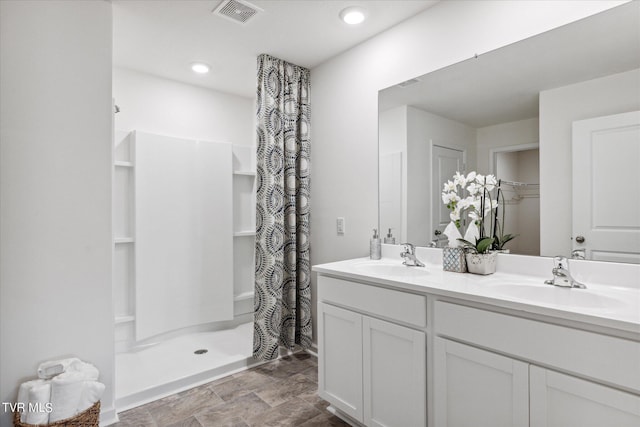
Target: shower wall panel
{"x": 183, "y": 233}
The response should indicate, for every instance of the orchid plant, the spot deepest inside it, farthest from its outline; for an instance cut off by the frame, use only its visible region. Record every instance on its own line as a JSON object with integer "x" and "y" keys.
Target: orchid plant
{"x": 479, "y": 206}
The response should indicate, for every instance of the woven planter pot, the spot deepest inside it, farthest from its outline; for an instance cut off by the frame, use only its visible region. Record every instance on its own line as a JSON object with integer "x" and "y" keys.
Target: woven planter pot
{"x": 453, "y": 260}
{"x": 88, "y": 418}
{"x": 482, "y": 263}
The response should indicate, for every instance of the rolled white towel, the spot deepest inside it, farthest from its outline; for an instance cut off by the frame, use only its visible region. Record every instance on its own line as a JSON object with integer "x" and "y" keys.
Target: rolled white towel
{"x": 91, "y": 393}
{"x": 37, "y": 409}
{"x": 89, "y": 372}
{"x": 47, "y": 370}
{"x": 66, "y": 391}
{"x": 23, "y": 391}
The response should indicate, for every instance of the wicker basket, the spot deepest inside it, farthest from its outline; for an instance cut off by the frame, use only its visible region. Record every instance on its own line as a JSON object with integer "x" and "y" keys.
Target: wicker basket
{"x": 88, "y": 418}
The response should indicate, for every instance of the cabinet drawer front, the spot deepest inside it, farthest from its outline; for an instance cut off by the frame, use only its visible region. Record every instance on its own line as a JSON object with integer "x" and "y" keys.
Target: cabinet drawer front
{"x": 387, "y": 303}
{"x": 600, "y": 357}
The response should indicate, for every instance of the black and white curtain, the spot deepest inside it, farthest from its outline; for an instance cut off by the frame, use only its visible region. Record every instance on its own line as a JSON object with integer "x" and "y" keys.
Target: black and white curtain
{"x": 282, "y": 304}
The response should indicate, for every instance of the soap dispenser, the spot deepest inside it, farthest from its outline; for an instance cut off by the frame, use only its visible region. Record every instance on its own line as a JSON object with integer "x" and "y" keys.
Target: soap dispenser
{"x": 375, "y": 248}
{"x": 389, "y": 239}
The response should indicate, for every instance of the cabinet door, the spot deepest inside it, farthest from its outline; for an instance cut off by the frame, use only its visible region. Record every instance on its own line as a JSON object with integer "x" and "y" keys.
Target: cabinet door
{"x": 565, "y": 401}
{"x": 340, "y": 359}
{"x": 474, "y": 387}
{"x": 394, "y": 375}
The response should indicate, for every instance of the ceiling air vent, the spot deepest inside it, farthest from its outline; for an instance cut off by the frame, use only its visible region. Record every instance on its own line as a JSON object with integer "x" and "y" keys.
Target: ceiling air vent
{"x": 408, "y": 82}
{"x": 237, "y": 11}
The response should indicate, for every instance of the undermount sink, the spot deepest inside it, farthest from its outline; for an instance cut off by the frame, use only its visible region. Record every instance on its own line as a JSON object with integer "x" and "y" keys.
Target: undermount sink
{"x": 392, "y": 270}
{"x": 556, "y": 295}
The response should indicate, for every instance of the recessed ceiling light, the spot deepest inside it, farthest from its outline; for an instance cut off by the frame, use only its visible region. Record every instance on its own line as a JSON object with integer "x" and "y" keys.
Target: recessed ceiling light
{"x": 352, "y": 15}
{"x": 200, "y": 68}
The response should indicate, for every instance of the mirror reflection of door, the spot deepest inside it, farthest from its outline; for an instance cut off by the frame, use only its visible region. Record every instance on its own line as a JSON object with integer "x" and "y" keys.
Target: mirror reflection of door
{"x": 519, "y": 212}
{"x": 606, "y": 187}
{"x": 446, "y": 161}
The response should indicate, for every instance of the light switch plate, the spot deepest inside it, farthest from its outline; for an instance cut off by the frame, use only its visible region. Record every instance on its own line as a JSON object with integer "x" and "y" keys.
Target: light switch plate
{"x": 340, "y": 226}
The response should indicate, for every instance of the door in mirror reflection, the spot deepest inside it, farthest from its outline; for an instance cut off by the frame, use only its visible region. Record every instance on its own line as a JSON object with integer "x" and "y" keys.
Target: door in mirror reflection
{"x": 446, "y": 161}
{"x": 606, "y": 187}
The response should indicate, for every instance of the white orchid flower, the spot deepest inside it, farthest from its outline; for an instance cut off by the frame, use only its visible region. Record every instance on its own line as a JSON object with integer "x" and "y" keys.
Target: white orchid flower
{"x": 471, "y": 176}
{"x": 449, "y": 197}
{"x": 455, "y": 215}
{"x": 449, "y": 186}
{"x": 465, "y": 203}
{"x": 460, "y": 179}
{"x": 474, "y": 188}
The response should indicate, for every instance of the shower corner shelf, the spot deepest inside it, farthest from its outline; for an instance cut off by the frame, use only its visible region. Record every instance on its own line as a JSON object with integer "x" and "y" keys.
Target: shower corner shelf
{"x": 244, "y": 233}
{"x": 245, "y": 173}
{"x": 124, "y": 319}
{"x": 243, "y": 296}
{"x": 119, "y": 240}
{"x": 123, "y": 164}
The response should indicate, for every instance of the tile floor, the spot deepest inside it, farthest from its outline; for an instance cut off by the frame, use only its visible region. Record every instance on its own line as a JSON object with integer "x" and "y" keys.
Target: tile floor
{"x": 280, "y": 393}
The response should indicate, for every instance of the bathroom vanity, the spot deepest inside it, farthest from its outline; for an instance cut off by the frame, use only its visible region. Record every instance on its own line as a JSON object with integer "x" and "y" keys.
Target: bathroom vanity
{"x": 416, "y": 346}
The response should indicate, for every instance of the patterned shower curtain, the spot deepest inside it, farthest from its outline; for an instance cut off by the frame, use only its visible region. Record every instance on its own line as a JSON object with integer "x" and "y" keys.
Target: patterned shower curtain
{"x": 282, "y": 302}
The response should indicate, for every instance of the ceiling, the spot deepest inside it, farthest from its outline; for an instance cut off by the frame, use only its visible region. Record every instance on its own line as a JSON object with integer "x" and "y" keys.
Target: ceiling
{"x": 165, "y": 37}
{"x": 504, "y": 85}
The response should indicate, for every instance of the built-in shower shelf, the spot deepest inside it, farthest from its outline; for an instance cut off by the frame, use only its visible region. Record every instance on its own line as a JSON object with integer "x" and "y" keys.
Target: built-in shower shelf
{"x": 120, "y": 240}
{"x": 243, "y": 296}
{"x": 245, "y": 173}
{"x": 123, "y": 164}
{"x": 244, "y": 233}
{"x": 124, "y": 319}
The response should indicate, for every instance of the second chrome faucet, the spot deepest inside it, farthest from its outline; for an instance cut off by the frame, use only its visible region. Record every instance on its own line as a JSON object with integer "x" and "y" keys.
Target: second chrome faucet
{"x": 409, "y": 256}
{"x": 561, "y": 275}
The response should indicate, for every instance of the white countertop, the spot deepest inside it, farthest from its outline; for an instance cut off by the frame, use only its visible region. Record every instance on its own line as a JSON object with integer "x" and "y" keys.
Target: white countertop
{"x": 611, "y": 305}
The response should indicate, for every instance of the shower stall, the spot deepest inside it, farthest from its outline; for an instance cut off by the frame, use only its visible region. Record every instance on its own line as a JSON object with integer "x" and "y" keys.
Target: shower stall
{"x": 184, "y": 221}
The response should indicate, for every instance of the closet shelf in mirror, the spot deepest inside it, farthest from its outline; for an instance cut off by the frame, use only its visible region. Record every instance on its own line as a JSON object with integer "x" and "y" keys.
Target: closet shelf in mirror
{"x": 119, "y": 240}
{"x": 244, "y": 233}
{"x": 518, "y": 184}
{"x": 245, "y": 173}
{"x": 514, "y": 192}
{"x": 123, "y": 164}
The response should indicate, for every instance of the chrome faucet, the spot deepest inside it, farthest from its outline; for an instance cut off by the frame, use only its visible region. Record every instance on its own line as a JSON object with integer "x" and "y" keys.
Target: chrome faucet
{"x": 409, "y": 256}
{"x": 438, "y": 241}
{"x": 579, "y": 254}
{"x": 561, "y": 275}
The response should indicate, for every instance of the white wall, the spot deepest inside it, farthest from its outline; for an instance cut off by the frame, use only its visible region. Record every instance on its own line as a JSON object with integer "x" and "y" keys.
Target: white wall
{"x": 393, "y": 139}
{"x": 558, "y": 109}
{"x": 500, "y": 136}
{"x": 345, "y": 94}
{"x": 55, "y": 189}
{"x": 166, "y": 107}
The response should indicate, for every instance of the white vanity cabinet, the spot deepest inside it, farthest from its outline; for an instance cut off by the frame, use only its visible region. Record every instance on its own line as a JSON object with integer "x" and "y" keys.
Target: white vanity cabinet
{"x": 559, "y": 400}
{"x": 372, "y": 352}
{"x": 474, "y": 387}
{"x": 481, "y": 387}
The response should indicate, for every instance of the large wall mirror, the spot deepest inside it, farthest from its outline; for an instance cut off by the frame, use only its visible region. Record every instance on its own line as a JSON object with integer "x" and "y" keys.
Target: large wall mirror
{"x": 556, "y": 117}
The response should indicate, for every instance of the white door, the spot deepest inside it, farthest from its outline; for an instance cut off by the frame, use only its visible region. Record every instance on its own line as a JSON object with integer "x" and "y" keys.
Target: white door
{"x": 606, "y": 187}
{"x": 394, "y": 375}
{"x": 445, "y": 163}
{"x": 559, "y": 400}
{"x": 340, "y": 359}
{"x": 473, "y": 387}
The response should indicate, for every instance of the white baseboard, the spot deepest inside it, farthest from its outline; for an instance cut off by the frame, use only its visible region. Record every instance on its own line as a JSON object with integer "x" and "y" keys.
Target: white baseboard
{"x": 108, "y": 417}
